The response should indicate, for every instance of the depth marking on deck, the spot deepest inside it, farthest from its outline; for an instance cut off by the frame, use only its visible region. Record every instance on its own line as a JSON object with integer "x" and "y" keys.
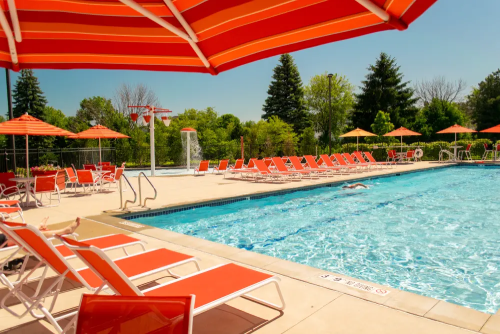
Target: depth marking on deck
{"x": 131, "y": 224}
{"x": 354, "y": 284}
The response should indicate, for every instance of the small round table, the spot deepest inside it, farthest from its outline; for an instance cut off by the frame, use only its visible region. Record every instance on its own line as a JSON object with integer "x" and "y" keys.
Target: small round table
{"x": 454, "y": 147}
{"x": 27, "y": 181}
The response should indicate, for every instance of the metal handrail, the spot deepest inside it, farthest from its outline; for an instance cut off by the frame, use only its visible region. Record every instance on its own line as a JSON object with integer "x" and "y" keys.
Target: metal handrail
{"x": 140, "y": 190}
{"x": 121, "y": 193}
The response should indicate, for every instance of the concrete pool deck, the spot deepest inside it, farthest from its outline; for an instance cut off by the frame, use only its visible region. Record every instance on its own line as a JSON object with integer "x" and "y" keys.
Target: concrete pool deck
{"x": 313, "y": 303}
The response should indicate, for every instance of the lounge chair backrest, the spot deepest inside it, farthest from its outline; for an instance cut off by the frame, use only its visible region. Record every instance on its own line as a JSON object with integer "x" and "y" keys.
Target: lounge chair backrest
{"x": 261, "y": 166}
{"x": 325, "y": 159}
{"x": 118, "y": 174}
{"x": 468, "y": 147}
{"x": 279, "y": 164}
{"x": 297, "y": 165}
{"x": 135, "y": 314}
{"x": 349, "y": 159}
{"x": 203, "y": 166}
{"x": 311, "y": 161}
{"x": 340, "y": 159}
{"x": 45, "y": 183}
{"x": 109, "y": 169}
{"x": 358, "y": 156}
{"x": 71, "y": 174}
{"x": 485, "y": 146}
{"x": 31, "y": 238}
{"x": 251, "y": 163}
{"x": 85, "y": 176}
{"x": 89, "y": 167}
{"x": 370, "y": 157}
{"x": 223, "y": 164}
{"x": 410, "y": 154}
{"x": 391, "y": 153}
{"x": 61, "y": 180}
{"x": 238, "y": 164}
{"x": 5, "y": 180}
{"x": 268, "y": 161}
{"x": 284, "y": 159}
{"x": 103, "y": 267}
{"x": 104, "y": 163}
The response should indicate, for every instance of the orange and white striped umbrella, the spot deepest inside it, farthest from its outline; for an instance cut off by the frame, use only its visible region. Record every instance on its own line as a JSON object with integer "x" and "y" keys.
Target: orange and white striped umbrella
{"x": 208, "y": 36}
{"x": 27, "y": 125}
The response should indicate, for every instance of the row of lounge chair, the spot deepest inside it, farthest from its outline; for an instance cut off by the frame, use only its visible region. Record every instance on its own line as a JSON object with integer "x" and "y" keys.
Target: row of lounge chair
{"x": 208, "y": 288}
{"x": 295, "y": 168}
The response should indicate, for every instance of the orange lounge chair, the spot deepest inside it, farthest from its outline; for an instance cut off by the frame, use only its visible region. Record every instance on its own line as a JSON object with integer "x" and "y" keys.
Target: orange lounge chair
{"x": 211, "y": 287}
{"x": 265, "y": 173}
{"x": 238, "y": 164}
{"x": 339, "y": 159}
{"x": 90, "y": 167}
{"x": 132, "y": 267}
{"x": 314, "y": 165}
{"x": 392, "y": 156}
{"x": 113, "y": 178}
{"x": 203, "y": 167}
{"x": 86, "y": 179}
{"x": 281, "y": 167}
{"x": 135, "y": 314}
{"x": 358, "y": 156}
{"x": 326, "y": 161}
{"x": 410, "y": 155}
{"x": 370, "y": 158}
{"x": 9, "y": 188}
{"x": 10, "y": 209}
{"x": 222, "y": 168}
{"x": 351, "y": 162}
{"x": 244, "y": 171}
{"x": 104, "y": 163}
{"x": 297, "y": 165}
{"x": 46, "y": 185}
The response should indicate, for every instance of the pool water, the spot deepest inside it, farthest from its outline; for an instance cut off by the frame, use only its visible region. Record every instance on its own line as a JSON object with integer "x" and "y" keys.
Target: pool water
{"x": 435, "y": 233}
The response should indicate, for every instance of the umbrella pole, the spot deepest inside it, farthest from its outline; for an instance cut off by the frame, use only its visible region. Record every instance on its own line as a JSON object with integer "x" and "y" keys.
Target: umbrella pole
{"x": 357, "y": 143}
{"x": 100, "y": 156}
{"x": 27, "y": 160}
{"x": 401, "y": 144}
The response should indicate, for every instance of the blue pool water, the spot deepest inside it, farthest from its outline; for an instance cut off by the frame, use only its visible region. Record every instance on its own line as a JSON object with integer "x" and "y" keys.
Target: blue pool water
{"x": 435, "y": 233}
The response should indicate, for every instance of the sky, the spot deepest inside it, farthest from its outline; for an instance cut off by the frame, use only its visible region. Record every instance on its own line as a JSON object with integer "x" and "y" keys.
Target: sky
{"x": 457, "y": 39}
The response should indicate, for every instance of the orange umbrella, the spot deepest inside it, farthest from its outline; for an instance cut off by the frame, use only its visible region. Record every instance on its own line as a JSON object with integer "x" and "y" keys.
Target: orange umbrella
{"x": 184, "y": 35}
{"x": 402, "y": 131}
{"x": 98, "y": 132}
{"x": 495, "y": 129}
{"x": 456, "y": 129}
{"x": 358, "y": 133}
{"x": 27, "y": 125}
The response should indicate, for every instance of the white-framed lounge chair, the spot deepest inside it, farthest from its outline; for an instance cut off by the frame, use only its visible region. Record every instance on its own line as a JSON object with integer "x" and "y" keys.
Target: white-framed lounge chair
{"x": 487, "y": 152}
{"x": 133, "y": 266}
{"x": 313, "y": 165}
{"x": 222, "y": 168}
{"x": 359, "y": 157}
{"x": 281, "y": 167}
{"x": 211, "y": 287}
{"x": 9, "y": 188}
{"x": 238, "y": 164}
{"x": 244, "y": 171}
{"x": 264, "y": 173}
{"x": 297, "y": 165}
{"x": 339, "y": 159}
{"x": 351, "y": 162}
{"x": 10, "y": 209}
{"x": 466, "y": 153}
{"x": 370, "y": 158}
{"x": 202, "y": 168}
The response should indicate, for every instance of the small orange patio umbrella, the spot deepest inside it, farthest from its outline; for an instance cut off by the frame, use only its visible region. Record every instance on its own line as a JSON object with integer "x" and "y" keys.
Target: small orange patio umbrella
{"x": 358, "y": 133}
{"x": 402, "y": 131}
{"x": 456, "y": 129}
{"x": 495, "y": 129}
{"x": 27, "y": 125}
{"x": 99, "y": 132}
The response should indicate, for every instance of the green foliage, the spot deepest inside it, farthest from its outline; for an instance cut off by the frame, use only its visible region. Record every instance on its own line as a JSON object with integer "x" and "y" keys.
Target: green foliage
{"x": 384, "y": 89}
{"x": 485, "y": 102}
{"x": 317, "y": 98}
{"x": 286, "y": 95}
{"x": 382, "y": 125}
{"x": 308, "y": 142}
{"x": 55, "y": 117}
{"x": 3, "y": 138}
{"x": 437, "y": 116}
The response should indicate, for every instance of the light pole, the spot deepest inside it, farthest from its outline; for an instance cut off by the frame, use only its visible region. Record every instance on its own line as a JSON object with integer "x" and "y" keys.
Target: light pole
{"x": 330, "y": 113}
{"x": 149, "y": 117}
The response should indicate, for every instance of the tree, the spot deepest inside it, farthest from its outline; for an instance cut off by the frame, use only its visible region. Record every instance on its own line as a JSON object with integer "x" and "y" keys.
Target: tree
{"x": 317, "y": 99}
{"x": 384, "y": 89}
{"x": 382, "y": 125}
{"x": 308, "y": 142}
{"x": 55, "y": 117}
{"x": 437, "y": 116}
{"x": 28, "y": 97}
{"x": 286, "y": 95}
{"x": 138, "y": 95}
{"x": 485, "y": 102}
{"x": 97, "y": 109}
{"x": 439, "y": 88}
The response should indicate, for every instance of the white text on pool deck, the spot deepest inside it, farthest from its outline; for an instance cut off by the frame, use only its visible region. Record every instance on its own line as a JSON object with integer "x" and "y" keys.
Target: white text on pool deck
{"x": 357, "y": 285}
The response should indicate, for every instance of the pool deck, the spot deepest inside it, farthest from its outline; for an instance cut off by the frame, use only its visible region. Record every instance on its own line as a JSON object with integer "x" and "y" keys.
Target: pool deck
{"x": 313, "y": 304}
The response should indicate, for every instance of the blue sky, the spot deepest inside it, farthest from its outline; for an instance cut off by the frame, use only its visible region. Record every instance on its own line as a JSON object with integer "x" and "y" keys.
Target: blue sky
{"x": 455, "y": 38}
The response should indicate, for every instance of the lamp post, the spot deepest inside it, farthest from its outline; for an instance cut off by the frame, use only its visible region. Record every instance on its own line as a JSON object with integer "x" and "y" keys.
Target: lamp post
{"x": 330, "y": 113}
{"x": 149, "y": 117}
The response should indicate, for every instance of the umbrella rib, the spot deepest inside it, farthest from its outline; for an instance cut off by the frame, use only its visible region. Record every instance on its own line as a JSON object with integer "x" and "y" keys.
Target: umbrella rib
{"x": 382, "y": 14}
{"x": 10, "y": 37}
{"x": 15, "y": 20}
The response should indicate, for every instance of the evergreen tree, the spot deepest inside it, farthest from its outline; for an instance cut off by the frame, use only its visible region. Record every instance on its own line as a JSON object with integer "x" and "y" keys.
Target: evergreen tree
{"x": 382, "y": 125}
{"x": 384, "y": 89}
{"x": 286, "y": 96}
{"x": 28, "y": 97}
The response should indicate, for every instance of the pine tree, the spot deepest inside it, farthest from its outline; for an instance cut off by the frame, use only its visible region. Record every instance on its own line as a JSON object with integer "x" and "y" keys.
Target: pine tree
{"x": 286, "y": 96}
{"x": 28, "y": 97}
{"x": 384, "y": 89}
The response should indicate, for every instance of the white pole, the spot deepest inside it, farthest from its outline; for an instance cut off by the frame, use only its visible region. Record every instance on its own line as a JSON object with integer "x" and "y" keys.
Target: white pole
{"x": 357, "y": 143}
{"x": 152, "y": 140}
{"x": 27, "y": 160}
{"x": 100, "y": 156}
{"x": 455, "y": 148}
{"x": 401, "y": 143}
{"x": 188, "y": 151}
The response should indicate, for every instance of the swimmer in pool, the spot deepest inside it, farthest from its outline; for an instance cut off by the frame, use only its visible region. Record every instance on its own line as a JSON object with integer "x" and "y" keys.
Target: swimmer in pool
{"x": 356, "y": 186}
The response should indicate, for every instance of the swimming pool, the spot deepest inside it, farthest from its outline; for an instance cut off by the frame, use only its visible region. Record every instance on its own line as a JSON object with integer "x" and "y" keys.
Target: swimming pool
{"x": 435, "y": 233}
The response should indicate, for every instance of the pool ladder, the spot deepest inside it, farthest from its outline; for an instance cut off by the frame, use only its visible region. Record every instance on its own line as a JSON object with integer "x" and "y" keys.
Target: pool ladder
{"x": 141, "y": 174}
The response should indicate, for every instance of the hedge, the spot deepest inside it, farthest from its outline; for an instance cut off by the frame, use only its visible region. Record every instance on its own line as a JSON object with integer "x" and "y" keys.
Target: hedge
{"x": 431, "y": 150}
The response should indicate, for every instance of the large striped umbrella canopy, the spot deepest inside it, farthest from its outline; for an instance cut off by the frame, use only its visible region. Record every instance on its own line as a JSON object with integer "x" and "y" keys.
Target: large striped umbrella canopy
{"x": 208, "y": 36}
{"x": 98, "y": 132}
{"x": 27, "y": 125}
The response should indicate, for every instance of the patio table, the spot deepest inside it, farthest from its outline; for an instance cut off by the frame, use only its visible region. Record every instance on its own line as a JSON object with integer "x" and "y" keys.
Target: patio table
{"x": 100, "y": 173}
{"x": 454, "y": 147}
{"x": 401, "y": 155}
{"x": 27, "y": 181}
